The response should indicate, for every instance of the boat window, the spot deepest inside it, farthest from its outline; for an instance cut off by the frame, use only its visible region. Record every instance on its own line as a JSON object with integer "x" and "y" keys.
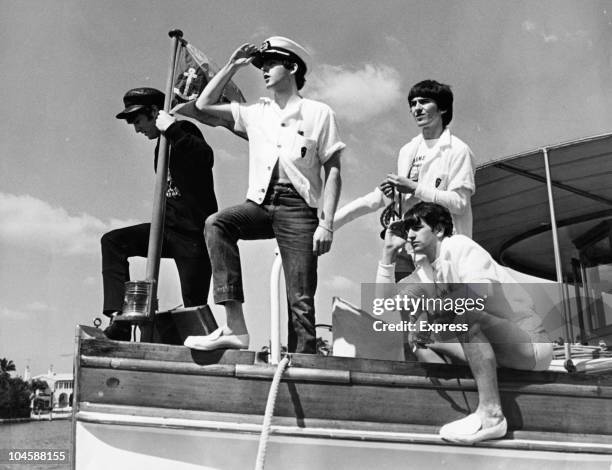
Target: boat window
{"x": 594, "y": 269}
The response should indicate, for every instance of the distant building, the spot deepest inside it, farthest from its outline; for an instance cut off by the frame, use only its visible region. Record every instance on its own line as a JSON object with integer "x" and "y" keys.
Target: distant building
{"x": 62, "y": 388}
{"x": 27, "y": 375}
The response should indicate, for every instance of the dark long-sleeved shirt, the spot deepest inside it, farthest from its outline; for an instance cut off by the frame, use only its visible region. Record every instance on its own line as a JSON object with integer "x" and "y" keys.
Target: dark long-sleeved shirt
{"x": 190, "y": 168}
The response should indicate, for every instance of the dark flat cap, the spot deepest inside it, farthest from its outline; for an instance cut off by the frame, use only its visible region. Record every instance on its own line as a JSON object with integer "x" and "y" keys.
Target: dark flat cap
{"x": 137, "y": 98}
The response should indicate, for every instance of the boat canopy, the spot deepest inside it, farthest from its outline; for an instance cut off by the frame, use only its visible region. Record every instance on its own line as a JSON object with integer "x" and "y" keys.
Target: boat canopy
{"x": 512, "y": 212}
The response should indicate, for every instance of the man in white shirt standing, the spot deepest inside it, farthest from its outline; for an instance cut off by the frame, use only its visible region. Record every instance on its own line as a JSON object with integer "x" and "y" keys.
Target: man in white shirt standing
{"x": 290, "y": 139}
{"x": 500, "y": 326}
{"x": 435, "y": 166}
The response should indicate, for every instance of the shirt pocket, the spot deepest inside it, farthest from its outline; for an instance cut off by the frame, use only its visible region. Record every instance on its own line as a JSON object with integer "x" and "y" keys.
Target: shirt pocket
{"x": 441, "y": 182}
{"x": 303, "y": 151}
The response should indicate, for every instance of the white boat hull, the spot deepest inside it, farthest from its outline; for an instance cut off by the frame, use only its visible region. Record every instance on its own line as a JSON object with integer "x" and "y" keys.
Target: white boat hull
{"x": 128, "y": 442}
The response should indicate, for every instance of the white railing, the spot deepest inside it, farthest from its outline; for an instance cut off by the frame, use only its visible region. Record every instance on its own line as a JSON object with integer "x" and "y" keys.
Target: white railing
{"x": 275, "y": 341}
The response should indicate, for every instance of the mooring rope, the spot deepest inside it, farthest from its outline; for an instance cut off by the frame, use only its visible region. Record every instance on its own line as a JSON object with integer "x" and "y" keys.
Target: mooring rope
{"x": 269, "y": 413}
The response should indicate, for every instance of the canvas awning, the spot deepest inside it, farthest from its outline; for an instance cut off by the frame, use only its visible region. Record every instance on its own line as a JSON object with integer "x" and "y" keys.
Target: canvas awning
{"x": 511, "y": 208}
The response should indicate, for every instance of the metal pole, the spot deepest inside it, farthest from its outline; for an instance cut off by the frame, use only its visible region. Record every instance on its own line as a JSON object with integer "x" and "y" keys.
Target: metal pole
{"x": 568, "y": 310}
{"x": 553, "y": 219}
{"x": 159, "y": 199}
{"x": 559, "y": 269}
{"x": 275, "y": 342}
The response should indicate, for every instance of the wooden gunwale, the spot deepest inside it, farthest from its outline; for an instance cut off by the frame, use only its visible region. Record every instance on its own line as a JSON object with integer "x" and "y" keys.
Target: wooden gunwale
{"x": 169, "y": 353}
{"x": 262, "y": 371}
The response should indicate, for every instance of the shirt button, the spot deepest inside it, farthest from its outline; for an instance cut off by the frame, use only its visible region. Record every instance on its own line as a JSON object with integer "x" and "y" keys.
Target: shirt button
{"x": 279, "y": 146}
{"x": 269, "y": 168}
{"x": 262, "y": 190}
{"x": 283, "y": 124}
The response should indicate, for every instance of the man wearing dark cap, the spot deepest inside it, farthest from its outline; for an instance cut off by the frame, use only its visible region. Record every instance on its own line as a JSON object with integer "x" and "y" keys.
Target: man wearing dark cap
{"x": 290, "y": 140}
{"x": 190, "y": 198}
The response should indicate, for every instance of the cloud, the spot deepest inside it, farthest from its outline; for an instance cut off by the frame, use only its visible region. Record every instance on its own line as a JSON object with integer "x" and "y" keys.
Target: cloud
{"x": 11, "y": 314}
{"x": 30, "y": 223}
{"x": 260, "y": 33}
{"x": 393, "y": 42}
{"x": 578, "y": 36}
{"x": 31, "y": 310}
{"x": 550, "y": 37}
{"x": 342, "y": 283}
{"x": 357, "y": 95}
{"x": 528, "y": 26}
{"x": 37, "y": 306}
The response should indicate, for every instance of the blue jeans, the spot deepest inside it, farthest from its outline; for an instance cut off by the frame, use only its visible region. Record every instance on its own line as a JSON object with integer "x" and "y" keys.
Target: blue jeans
{"x": 283, "y": 215}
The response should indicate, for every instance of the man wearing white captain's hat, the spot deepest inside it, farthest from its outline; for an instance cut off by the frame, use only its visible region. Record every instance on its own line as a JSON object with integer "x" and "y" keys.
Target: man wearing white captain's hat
{"x": 290, "y": 139}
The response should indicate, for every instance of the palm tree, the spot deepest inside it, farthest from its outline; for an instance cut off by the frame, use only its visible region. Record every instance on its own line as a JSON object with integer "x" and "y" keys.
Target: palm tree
{"x": 38, "y": 384}
{"x": 6, "y": 366}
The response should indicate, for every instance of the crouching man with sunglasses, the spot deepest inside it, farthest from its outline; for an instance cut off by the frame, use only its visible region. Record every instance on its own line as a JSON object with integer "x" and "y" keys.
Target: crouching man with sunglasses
{"x": 501, "y": 328}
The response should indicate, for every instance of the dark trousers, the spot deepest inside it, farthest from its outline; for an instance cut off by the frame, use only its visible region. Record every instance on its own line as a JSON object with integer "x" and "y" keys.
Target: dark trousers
{"x": 188, "y": 253}
{"x": 283, "y": 215}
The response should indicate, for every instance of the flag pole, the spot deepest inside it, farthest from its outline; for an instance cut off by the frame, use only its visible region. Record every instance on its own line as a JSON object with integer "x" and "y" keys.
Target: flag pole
{"x": 159, "y": 199}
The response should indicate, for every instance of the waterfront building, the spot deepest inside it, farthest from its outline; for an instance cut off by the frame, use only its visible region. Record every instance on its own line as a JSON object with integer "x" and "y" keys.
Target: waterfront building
{"x": 61, "y": 387}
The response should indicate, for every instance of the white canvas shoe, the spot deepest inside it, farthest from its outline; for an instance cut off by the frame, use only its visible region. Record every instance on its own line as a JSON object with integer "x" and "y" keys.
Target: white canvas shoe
{"x": 217, "y": 340}
{"x": 469, "y": 430}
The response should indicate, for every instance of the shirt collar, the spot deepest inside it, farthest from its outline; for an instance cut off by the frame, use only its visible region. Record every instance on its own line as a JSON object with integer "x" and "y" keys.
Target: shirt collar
{"x": 293, "y": 105}
{"x": 445, "y": 138}
{"x": 443, "y": 141}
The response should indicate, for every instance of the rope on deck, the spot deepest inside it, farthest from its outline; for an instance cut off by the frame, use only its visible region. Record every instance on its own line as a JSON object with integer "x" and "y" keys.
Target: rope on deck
{"x": 269, "y": 413}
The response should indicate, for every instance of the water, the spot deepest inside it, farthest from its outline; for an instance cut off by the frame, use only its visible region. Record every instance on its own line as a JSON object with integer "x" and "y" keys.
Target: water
{"x": 35, "y": 435}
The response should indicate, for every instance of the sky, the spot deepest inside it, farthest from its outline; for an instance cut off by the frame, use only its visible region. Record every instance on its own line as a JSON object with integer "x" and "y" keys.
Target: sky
{"x": 525, "y": 74}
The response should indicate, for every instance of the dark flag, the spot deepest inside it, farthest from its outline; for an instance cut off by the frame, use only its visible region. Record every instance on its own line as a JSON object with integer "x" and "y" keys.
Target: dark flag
{"x": 193, "y": 71}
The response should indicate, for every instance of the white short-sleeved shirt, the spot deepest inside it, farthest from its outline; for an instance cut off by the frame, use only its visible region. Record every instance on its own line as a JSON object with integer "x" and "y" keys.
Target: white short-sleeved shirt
{"x": 302, "y": 136}
{"x": 463, "y": 261}
{"x": 449, "y": 166}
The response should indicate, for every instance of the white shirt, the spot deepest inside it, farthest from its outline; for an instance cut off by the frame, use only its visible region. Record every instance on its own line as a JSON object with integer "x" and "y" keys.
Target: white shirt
{"x": 302, "y": 137}
{"x": 445, "y": 177}
{"x": 427, "y": 149}
{"x": 463, "y": 261}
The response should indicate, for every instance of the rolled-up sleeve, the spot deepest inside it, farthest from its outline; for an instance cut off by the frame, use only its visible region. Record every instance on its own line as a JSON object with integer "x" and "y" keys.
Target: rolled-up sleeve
{"x": 240, "y": 113}
{"x": 329, "y": 139}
